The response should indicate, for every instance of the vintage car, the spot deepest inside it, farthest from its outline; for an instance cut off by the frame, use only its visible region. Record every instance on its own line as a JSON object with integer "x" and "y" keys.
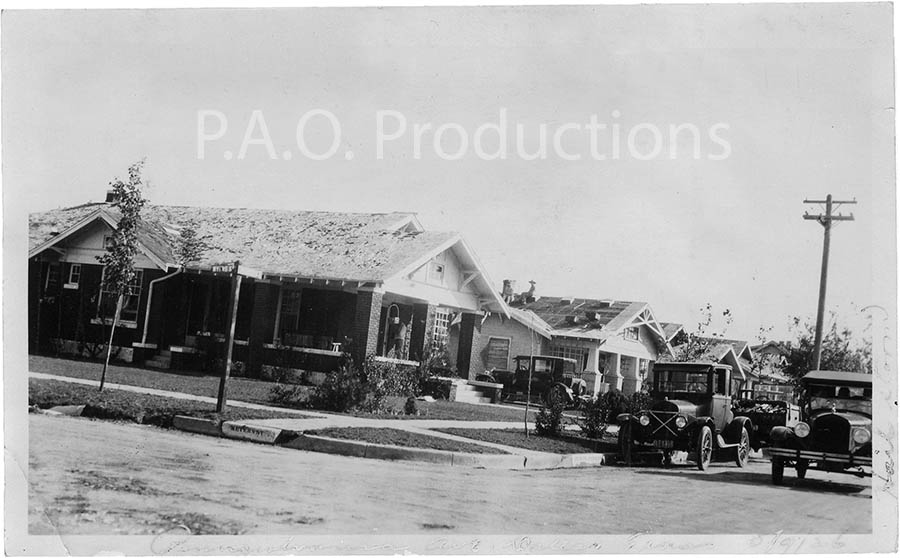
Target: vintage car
{"x": 691, "y": 412}
{"x": 835, "y": 433}
{"x": 551, "y": 377}
{"x": 767, "y": 406}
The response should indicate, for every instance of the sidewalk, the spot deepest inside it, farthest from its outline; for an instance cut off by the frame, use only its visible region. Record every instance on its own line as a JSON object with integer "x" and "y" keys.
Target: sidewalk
{"x": 327, "y": 420}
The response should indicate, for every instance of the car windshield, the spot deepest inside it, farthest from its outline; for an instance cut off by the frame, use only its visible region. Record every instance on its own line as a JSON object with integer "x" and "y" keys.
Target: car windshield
{"x": 540, "y": 365}
{"x": 668, "y": 381}
{"x": 842, "y": 398}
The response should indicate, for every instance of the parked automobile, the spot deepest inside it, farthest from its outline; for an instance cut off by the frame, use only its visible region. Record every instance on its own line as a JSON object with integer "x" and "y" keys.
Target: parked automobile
{"x": 551, "y": 377}
{"x": 835, "y": 434}
{"x": 690, "y": 411}
{"x": 768, "y": 406}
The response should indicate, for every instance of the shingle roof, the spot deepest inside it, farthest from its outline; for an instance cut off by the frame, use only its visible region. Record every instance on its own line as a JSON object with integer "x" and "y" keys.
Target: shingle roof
{"x": 594, "y": 316}
{"x": 670, "y": 329}
{"x": 352, "y": 246}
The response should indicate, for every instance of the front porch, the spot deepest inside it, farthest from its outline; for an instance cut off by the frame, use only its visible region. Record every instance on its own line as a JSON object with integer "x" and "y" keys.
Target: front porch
{"x": 298, "y": 328}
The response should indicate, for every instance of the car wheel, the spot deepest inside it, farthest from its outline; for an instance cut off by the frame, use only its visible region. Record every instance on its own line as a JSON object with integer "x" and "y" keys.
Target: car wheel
{"x": 777, "y": 470}
{"x": 742, "y": 451}
{"x": 704, "y": 448}
{"x": 802, "y": 466}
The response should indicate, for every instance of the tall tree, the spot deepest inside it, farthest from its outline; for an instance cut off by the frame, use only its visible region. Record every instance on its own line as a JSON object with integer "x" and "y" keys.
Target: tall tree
{"x": 190, "y": 247}
{"x": 118, "y": 261}
{"x": 840, "y": 350}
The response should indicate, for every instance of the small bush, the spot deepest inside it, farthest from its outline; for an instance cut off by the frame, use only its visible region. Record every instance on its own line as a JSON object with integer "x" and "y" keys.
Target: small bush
{"x": 411, "y": 408}
{"x": 342, "y": 390}
{"x": 595, "y": 419}
{"x": 290, "y": 395}
{"x": 640, "y": 401}
{"x": 615, "y": 402}
{"x": 549, "y": 420}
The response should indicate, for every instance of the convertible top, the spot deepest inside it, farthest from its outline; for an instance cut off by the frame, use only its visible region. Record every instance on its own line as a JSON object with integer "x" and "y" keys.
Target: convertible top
{"x": 839, "y": 377}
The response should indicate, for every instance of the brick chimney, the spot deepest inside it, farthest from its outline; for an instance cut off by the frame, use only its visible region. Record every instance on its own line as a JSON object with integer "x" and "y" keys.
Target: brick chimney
{"x": 111, "y": 196}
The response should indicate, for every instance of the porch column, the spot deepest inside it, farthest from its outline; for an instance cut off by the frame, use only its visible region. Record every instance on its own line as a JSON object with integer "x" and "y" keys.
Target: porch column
{"x": 366, "y": 324}
{"x": 262, "y": 325}
{"x": 469, "y": 342}
{"x": 614, "y": 377}
{"x": 629, "y": 373}
{"x": 591, "y": 373}
{"x": 422, "y": 326}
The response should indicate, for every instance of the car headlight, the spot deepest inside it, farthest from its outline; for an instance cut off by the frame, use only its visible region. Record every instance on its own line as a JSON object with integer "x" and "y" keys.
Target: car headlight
{"x": 680, "y": 422}
{"x": 801, "y": 430}
{"x": 644, "y": 420}
{"x": 861, "y": 435}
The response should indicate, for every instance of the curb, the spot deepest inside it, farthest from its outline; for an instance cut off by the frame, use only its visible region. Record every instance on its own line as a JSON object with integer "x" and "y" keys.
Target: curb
{"x": 196, "y": 425}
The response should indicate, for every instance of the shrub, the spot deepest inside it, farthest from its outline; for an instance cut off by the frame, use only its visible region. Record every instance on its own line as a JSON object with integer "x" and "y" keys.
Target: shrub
{"x": 290, "y": 395}
{"x": 411, "y": 408}
{"x": 549, "y": 419}
{"x": 342, "y": 390}
{"x": 615, "y": 402}
{"x": 388, "y": 378}
{"x": 640, "y": 401}
{"x": 595, "y": 419}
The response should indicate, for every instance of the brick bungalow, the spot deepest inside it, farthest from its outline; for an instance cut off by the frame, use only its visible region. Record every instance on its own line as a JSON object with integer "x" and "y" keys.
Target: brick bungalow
{"x": 308, "y": 286}
{"x": 614, "y": 342}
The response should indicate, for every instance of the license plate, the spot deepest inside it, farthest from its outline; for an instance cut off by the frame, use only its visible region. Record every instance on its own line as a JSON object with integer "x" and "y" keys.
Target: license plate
{"x": 664, "y": 444}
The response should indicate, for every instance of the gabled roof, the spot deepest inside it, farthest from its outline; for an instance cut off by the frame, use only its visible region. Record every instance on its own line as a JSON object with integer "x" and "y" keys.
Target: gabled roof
{"x": 531, "y": 320}
{"x": 591, "y": 316}
{"x": 671, "y": 329}
{"x": 308, "y": 244}
{"x": 741, "y": 348}
{"x": 780, "y": 347}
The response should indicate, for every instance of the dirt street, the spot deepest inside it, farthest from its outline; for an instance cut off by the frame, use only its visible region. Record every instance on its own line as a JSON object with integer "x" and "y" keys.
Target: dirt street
{"x": 93, "y": 477}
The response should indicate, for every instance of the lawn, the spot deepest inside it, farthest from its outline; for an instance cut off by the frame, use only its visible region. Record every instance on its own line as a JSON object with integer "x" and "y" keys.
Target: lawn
{"x": 258, "y": 391}
{"x": 241, "y": 389}
{"x": 394, "y": 437}
{"x": 135, "y": 407}
{"x": 570, "y": 443}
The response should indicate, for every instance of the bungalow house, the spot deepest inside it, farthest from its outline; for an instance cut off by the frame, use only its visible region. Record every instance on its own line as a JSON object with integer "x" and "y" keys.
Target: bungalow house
{"x": 613, "y": 342}
{"x": 306, "y": 287}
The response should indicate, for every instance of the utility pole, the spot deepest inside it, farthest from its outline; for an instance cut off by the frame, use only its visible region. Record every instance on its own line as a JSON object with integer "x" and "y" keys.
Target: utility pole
{"x": 222, "y": 401}
{"x": 825, "y": 220}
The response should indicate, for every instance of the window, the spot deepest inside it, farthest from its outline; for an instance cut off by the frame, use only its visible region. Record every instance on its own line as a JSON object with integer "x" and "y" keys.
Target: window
{"x": 51, "y": 281}
{"x": 633, "y": 333}
{"x": 290, "y": 316}
{"x": 643, "y": 368}
{"x": 435, "y": 272}
{"x": 107, "y": 241}
{"x": 498, "y": 353}
{"x": 106, "y": 307}
{"x": 441, "y": 327}
{"x": 579, "y": 354}
{"x": 74, "y": 276}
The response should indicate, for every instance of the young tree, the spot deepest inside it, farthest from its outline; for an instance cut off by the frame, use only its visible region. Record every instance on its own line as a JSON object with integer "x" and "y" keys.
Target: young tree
{"x": 840, "y": 351}
{"x": 190, "y": 246}
{"x": 118, "y": 261}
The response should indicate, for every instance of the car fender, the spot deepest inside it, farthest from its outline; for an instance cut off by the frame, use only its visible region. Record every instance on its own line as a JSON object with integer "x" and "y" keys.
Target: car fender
{"x": 781, "y": 434}
{"x": 570, "y": 397}
{"x": 625, "y": 417}
{"x": 732, "y": 430}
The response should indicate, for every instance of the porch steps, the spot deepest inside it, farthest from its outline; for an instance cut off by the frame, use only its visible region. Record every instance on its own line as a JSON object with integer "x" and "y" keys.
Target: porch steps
{"x": 161, "y": 360}
{"x": 470, "y": 394}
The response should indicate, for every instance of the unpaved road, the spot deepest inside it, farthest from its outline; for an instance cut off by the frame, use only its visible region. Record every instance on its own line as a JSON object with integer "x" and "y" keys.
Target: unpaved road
{"x": 94, "y": 477}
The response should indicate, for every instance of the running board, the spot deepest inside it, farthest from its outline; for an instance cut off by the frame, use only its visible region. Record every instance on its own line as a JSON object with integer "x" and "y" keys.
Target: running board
{"x": 722, "y": 444}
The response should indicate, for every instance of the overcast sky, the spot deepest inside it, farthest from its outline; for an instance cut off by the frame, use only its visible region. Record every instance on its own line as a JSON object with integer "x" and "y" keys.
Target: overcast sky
{"x": 805, "y": 92}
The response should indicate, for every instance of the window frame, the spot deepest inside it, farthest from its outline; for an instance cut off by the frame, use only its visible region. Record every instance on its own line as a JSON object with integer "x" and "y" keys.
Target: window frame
{"x": 73, "y": 283}
{"x": 137, "y": 284}
{"x": 491, "y": 339}
{"x": 440, "y": 330}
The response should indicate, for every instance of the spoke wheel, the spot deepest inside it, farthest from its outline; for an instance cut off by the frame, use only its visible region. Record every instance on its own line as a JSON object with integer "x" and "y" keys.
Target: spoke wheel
{"x": 742, "y": 451}
{"x": 704, "y": 448}
{"x": 777, "y": 470}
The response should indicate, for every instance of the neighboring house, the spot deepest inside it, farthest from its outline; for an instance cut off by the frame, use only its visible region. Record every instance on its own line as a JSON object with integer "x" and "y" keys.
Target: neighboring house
{"x": 613, "y": 342}
{"x": 734, "y": 352}
{"x": 771, "y": 358}
{"x": 671, "y": 330}
{"x": 310, "y": 286}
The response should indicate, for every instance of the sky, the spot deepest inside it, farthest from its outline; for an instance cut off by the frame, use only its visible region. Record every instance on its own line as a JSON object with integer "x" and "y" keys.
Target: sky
{"x": 802, "y": 95}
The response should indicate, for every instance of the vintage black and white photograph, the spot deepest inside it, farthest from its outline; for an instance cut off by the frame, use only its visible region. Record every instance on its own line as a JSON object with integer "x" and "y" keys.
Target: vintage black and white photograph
{"x": 584, "y": 279}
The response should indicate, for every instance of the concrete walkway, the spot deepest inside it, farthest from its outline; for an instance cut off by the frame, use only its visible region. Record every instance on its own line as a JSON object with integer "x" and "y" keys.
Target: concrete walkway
{"x": 326, "y": 420}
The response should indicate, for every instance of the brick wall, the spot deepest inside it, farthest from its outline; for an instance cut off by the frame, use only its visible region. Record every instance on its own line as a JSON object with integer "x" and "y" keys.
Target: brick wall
{"x": 422, "y": 328}
{"x": 366, "y": 324}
